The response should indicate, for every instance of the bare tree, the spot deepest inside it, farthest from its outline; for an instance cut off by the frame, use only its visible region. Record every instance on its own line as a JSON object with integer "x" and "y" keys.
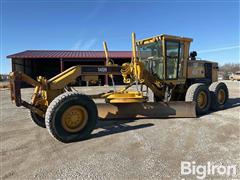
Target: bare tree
{"x": 228, "y": 69}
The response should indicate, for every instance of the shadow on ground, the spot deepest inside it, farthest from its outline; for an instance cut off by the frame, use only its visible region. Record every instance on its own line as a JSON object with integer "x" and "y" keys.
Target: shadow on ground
{"x": 232, "y": 102}
{"x": 109, "y": 127}
{"x": 117, "y": 126}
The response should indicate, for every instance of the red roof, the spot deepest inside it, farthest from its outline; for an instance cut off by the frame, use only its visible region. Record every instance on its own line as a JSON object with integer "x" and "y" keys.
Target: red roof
{"x": 69, "y": 54}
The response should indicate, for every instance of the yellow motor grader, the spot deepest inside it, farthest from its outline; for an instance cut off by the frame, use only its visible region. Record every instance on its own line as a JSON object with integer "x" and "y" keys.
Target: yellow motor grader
{"x": 182, "y": 87}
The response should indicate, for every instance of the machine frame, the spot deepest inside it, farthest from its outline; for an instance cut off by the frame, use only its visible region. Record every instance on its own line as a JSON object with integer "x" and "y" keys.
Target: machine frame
{"x": 70, "y": 115}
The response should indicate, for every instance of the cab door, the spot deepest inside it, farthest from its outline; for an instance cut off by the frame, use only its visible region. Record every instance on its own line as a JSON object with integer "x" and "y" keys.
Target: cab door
{"x": 173, "y": 59}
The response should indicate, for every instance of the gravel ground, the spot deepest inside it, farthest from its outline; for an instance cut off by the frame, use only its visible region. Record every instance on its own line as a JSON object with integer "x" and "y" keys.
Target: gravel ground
{"x": 139, "y": 149}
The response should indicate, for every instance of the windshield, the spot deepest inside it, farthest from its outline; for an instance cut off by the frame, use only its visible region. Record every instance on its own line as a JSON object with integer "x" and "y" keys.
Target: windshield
{"x": 152, "y": 57}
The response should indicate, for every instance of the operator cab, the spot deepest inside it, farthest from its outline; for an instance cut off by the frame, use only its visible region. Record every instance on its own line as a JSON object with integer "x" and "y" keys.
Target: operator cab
{"x": 164, "y": 56}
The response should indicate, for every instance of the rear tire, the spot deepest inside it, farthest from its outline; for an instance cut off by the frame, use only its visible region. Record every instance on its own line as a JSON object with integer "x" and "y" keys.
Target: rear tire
{"x": 68, "y": 125}
{"x": 200, "y": 94}
{"x": 40, "y": 121}
{"x": 219, "y": 95}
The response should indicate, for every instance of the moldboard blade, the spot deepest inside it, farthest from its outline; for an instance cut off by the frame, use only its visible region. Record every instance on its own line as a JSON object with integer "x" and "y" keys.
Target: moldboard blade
{"x": 147, "y": 110}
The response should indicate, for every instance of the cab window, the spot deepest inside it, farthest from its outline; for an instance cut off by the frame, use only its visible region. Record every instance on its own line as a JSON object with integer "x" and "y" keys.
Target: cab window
{"x": 151, "y": 55}
{"x": 174, "y": 59}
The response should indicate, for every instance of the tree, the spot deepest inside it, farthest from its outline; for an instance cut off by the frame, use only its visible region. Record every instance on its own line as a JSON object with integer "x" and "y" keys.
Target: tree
{"x": 230, "y": 67}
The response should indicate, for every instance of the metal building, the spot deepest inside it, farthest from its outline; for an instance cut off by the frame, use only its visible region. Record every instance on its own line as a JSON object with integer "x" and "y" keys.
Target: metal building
{"x": 48, "y": 63}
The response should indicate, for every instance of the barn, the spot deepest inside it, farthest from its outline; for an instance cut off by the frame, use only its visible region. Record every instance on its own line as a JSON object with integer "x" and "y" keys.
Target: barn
{"x": 49, "y": 63}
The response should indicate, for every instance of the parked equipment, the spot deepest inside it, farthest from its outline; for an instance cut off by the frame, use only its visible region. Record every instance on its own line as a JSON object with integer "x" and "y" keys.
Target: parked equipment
{"x": 235, "y": 76}
{"x": 182, "y": 87}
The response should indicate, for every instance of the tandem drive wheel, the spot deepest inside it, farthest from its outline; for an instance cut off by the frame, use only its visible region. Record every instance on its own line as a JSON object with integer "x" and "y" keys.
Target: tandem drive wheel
{"x": 71, "y": 117}
{"x": 219, "y": 95}
{"x": 200, "y": 94}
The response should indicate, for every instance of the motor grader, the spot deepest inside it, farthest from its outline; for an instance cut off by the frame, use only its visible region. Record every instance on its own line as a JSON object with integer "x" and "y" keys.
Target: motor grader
{"x": 181, "y": 85}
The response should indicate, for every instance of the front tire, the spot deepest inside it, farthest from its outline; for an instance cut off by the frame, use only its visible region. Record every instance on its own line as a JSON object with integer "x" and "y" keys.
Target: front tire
{"x": 71, "y": 117}
{"x": 219, "y": 94}
{"x": 200, "y": 94}
{"x": 40, "y": 121}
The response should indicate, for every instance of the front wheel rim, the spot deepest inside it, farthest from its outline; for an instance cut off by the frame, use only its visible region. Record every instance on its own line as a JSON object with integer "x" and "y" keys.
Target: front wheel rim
{"x": 74, "y": 118}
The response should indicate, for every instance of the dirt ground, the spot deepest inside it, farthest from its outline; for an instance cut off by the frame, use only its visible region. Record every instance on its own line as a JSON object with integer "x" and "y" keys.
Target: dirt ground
{"x": 4, "y": 84}
{"x": 139, "y": 149}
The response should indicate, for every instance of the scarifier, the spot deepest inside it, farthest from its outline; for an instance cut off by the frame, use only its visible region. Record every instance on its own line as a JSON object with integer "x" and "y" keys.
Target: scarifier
{"x": 182, "y": 87}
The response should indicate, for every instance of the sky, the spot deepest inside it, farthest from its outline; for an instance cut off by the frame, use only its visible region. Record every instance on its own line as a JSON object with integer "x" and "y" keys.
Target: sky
{"x": 84, "y": 25}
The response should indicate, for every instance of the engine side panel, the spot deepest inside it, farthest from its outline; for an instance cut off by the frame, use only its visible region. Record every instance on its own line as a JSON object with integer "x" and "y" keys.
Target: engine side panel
{"x": 195, "y": 69}
{"x": 200, "y": 71}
